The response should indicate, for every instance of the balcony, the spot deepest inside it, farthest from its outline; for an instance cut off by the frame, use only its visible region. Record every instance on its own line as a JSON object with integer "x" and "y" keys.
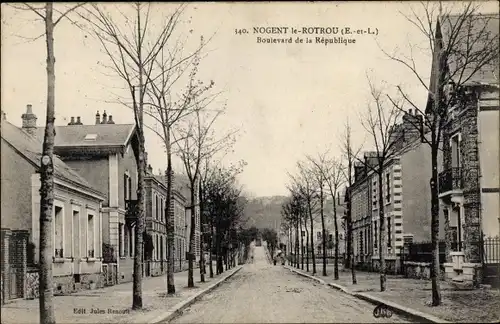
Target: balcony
{"x": 450, "y": 180}
{"x": 131, "y": 211}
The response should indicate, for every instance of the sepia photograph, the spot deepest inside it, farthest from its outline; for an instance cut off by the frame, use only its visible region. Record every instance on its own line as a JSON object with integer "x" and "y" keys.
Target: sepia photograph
{"x": 250, "y": 162}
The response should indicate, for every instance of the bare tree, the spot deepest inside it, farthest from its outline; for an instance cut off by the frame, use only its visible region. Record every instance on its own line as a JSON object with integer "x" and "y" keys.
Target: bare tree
{"x": 351, "y": 155}
{"x": 333, "y": 172}
{"x": 319, "y": 173}
{"x": 305, "y": 187}
{"x": 196, "y": 141}
{"x": 463, "y": 45}
{"x": 380, "y": 122}
{"x": 166, "y": 112}
{"x": 46, "y": 14}
{"x": 134, "y": 52}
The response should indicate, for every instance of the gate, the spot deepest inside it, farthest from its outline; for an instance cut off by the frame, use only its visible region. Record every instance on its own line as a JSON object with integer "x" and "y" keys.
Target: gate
{"x": 110, "y": 274}
{"x": 491, "y": 261}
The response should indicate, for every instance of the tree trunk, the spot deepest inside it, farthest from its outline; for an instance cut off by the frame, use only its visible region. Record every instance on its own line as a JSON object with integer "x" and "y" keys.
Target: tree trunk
{"x": 336, "y": 264}
{"x": 307, "y": 243}
{"x": 382, "y": 230}
{"x": 139, "y": 228}
{"x": 301, "y": 244}
{"x": 202, "y": 236}
{"x": 312, "y": 240}
{"x": 210, "y": 247}
{"x": 191, "y": 238}
{"x": 170, "y": 220}
{"x": 436, "y": 291}
{"x": 46, "y": 297}
{"x": 323, "y": 231}
{"x": 297, "y": 245}
{"x": 350, "y": 244}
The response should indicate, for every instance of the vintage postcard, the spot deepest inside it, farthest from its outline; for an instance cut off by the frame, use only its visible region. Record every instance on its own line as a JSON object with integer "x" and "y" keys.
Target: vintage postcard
{"x": 250, "y": 162}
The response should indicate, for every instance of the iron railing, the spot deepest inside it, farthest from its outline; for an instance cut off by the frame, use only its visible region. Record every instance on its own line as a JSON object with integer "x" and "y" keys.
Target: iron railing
{"x": 491, "y": 250}
{"x": 450, "y": 179}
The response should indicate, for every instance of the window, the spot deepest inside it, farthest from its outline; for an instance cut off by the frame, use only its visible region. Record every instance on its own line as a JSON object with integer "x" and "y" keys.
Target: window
{"x": 127, "y": 187}
{"x": 375, "y": 236}
{"x": 303, "y": 233}
{"x": 330, "y": 237}
{"x": 389, "y": 243}
{"x": 126, "y": 241}
{"x": 76, "y": 234}
{"x": 318, "y": 235}
{"x": 121, "y": 239}
{"x": 162, "y": 211}
{"x": 157, "y": 200}
{"x": 388, "y": 186}
{"x": 455, "y": 151}
{"x": 90, "y": 236}
{"x": 361, "y": 242}
{"x": 58, "y": 232}
{"x": 131, "y": 241}
{"x": 366, "y": 236}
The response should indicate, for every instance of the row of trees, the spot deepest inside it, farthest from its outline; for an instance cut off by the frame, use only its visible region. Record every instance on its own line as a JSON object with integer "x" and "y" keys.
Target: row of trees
{"x": 145, "y": 56}
{"x": 318, "y": 181}
{"x": 462, "y": 45}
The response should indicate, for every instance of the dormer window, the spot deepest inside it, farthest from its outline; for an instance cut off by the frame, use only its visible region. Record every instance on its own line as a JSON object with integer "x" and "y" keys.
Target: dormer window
{"x": 90, "y": 137}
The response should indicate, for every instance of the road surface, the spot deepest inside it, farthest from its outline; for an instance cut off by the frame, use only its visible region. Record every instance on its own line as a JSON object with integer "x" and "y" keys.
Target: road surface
{"x": 263, "y": 293}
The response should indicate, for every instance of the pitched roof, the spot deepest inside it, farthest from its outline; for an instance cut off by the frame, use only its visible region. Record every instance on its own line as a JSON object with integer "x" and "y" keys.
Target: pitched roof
{"x": 470, "y": 34}
{"x": 31, "y": 148}
{"x": 91, "y": 136}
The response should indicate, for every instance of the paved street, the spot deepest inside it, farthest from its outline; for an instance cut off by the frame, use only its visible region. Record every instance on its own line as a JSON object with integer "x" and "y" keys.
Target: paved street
{"x": 263, "y": 293}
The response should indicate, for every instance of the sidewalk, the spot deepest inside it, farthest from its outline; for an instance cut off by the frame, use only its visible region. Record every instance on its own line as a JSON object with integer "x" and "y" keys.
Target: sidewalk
{"x": 81, "y": 307}
{"x": 472, "y": 306}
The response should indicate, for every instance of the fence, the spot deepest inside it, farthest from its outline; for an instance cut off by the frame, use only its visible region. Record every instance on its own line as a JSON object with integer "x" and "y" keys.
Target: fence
{"x": 422, "y": 252}
{"x": 491, "y": 250}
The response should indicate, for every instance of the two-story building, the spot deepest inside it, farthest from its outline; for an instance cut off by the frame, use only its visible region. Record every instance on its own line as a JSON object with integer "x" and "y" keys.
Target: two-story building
{"x": 106, "y": 155}
{"x": 469, "y": 185}
{"x": 406, "y": 198}
{"x": 156, "y": 222}
{"x": 77, "y": 218}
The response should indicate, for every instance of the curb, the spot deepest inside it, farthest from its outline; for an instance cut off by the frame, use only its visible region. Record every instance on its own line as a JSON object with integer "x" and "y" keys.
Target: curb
{"x": 175, "y": 311}
{"x": 402, "y": 310}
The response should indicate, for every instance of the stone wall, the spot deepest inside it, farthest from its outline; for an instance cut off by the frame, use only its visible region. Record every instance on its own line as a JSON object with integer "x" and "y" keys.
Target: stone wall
{"x": 419, "y": 270}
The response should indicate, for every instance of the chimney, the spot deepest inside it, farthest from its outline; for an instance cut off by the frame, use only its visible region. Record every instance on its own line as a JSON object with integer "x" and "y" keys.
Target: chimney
{"x": 97, "y": 118}
{"x": 78, "y": 121}
{"x": 104, "y": 118}
{"x": 29, "y": 120}
{"x": 150, "y": 169}
{"x": 4, "y": 116}
{"x": 72, "y": 122}
{"x": 110, "y": 120}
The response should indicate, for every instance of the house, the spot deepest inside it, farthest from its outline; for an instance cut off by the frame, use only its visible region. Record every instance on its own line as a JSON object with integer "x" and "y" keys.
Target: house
{"x": 182, "y": 186}
{"x": 156, "y": 226}
{"x": 181, "y": 233}
{"x": 156, "y": 223}
{"x": 469, "y": 185}
{"x": 106, "y": 155}
{"x": 77, "y": 218}
{"x": 406, "y": 198}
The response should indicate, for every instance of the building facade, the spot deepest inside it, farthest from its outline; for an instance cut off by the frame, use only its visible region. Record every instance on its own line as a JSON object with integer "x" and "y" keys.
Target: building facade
{"x": 406, "y": 198}
{"x": 106, "y": 155}
{"x": 77, "y": 218}
{"x": 469, "y": 186}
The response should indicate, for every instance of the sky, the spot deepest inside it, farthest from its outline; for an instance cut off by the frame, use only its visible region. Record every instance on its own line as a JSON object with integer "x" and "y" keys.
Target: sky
{"x": 286, "y": 100}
